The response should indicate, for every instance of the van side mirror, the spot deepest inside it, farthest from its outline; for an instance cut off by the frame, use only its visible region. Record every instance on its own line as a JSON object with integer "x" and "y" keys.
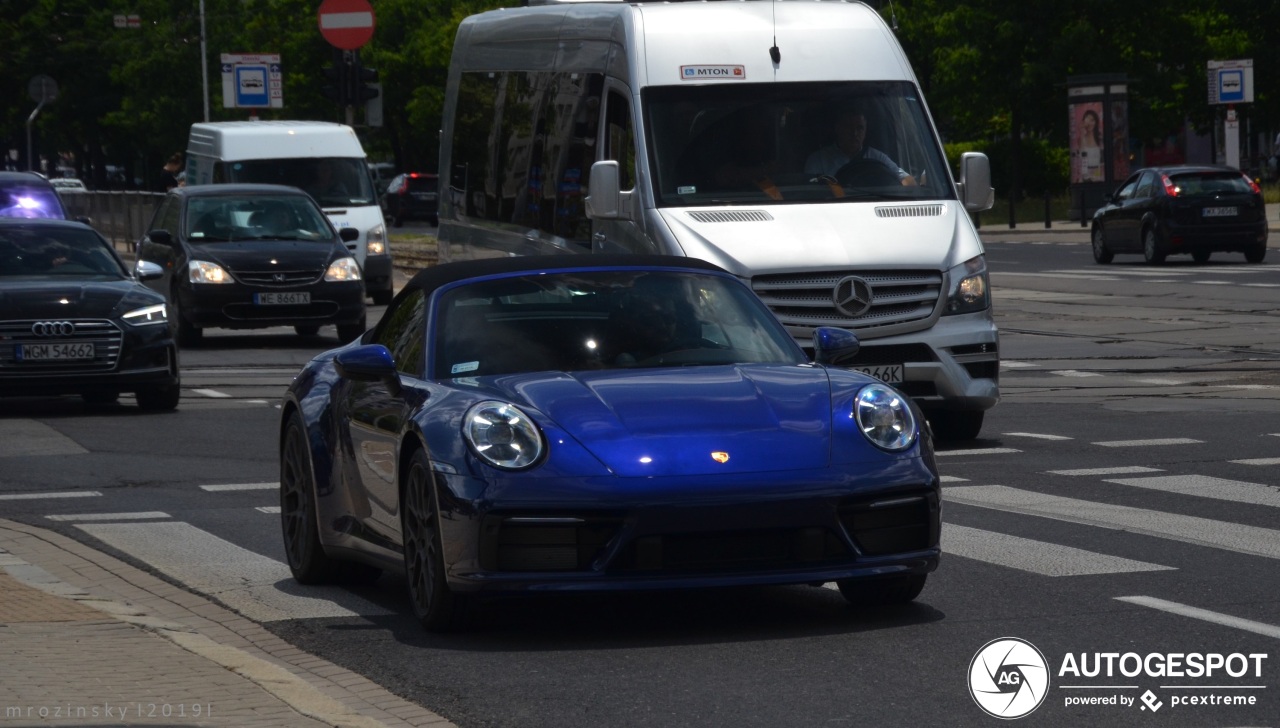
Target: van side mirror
{"x": 605, "y": 199}
{"x": 974, "y": 186}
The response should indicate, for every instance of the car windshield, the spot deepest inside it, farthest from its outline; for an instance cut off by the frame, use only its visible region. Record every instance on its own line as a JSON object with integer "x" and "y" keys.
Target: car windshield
{"x": 332, "y": 181}
{"x": 1210, "y": 183}
{"x": 43, "y": 250}
{"x": 29, "y": 201}
{"x": 590, "y": 320}
{"x": 781, "y": 143}
{"x": 232, "y": 218}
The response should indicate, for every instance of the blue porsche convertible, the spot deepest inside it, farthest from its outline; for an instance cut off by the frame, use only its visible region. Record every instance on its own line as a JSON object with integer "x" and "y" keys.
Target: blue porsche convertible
{"x": 600, "y": 423}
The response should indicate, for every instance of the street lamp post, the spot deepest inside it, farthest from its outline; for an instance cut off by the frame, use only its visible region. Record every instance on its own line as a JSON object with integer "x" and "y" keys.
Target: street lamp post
{"x": 204, "y": 64}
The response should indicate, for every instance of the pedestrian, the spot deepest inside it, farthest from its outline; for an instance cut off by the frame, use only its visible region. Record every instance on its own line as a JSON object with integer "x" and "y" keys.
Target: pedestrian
{"x": 169, "y": 173}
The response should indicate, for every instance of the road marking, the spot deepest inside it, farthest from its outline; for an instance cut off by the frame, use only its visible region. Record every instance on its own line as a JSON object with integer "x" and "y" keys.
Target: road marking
{"x": 1150, "y": 443}
{"x": 1215, "y": 283}
{"x": 1017, "y": 365}
{"x": 1175, "y": 527}
{"x": 268, "y": 509}
{"x": 1257, "y": 461}
{"x": 1161, "y": 382}
{"x": 1261, "y": 285}
{"x": 978, "y": 451}
{"x": 1037, "y": 557}
{"x": 239, "y": 486}
{"x": 1205, "y": 486}
{"x": 22, "y": 437}
{"x": 212, "y": 393}
{"x": 1063, "y": 276}
{"x": 953, "y": 479}
{"x": 1122, "y": 470}
{"x": 1226, "y": 620}
{"x": 63, "y": 494}
{"x": 258, "y": 587}
{"x": 136, "y": 516}
{"x": 1128, "y": 272}
{"x": 1074, "y": 373}
{"x": 1036, "y": 435}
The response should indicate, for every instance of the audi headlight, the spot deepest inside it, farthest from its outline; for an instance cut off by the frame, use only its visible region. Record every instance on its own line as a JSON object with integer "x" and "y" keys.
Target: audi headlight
{"x": 884, "y": 416}
{"x": 503, "y": 436}
{"x": 147, "y": 315}
{"x": 970, "y": 287}
{"x": 343, "y": 269}
{"x": 200, "y": 271}
{"x": 376, "y": 240}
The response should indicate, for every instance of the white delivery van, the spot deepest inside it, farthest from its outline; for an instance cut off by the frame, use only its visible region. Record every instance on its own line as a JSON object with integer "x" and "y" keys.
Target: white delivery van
{"x": 787, "y": 142}
{"x": 323, "y": 158}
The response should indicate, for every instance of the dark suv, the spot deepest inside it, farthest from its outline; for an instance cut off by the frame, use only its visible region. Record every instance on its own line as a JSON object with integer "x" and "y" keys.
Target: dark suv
{"x": 28, "y": 195}
{"x": 412, "y": 196}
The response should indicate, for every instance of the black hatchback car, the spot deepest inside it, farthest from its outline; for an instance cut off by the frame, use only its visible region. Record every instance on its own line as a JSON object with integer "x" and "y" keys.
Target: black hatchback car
{"x": 74, "y": 321}
{"x": 1195, "y": 210}
{"x": 245, "y": 256}
{"x": 412, "y": 196}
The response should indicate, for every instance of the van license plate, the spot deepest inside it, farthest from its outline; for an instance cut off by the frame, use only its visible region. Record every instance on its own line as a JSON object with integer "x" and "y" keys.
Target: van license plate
{"x": 275, "y": 298}
{"x": 890, "y": 374}
{"x": 41, "y": 352}
{"x": 1221, "y": 211}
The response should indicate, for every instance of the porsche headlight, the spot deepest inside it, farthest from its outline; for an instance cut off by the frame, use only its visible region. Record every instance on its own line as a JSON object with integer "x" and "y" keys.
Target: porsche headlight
{"x": 970, "y": 287}
{"x": 884, "y": 416}
{"x": 343, "y": 269}
{"x": 147, "y": 315}
{"x": 376, "y": 240}
{"x": 502, "y": 435}
{"x": 201, "y": 271}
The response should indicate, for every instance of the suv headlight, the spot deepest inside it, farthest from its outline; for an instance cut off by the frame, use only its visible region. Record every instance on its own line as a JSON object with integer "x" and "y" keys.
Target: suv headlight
{"x": 970, "y": 287}
{"x": 503, "y": 436}
{"x": 155, "y": 314}
{"x": 343, "y": 269}
{"x": 201, "y": 271}
{"x": 884, "y": 417}
{"x": 376, "y": 240}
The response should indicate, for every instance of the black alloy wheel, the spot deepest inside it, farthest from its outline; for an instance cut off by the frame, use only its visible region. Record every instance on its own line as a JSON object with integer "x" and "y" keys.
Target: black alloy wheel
{"x": 1151, "y": 249}
{"x": 1101, "y": 254}
{"x": 188, "y": 334}
{"x": 436, "y": 607}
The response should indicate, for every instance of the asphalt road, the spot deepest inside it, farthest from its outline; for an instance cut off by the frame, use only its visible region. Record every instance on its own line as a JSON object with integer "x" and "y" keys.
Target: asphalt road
{"x": 1121, "y": 499}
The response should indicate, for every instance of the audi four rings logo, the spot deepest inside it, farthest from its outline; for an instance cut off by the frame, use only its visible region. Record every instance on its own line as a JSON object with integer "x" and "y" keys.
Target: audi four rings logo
{"x": 1008, "y": 678}
{"x": 53, "y": 328}
{"x": 852, "y": 296}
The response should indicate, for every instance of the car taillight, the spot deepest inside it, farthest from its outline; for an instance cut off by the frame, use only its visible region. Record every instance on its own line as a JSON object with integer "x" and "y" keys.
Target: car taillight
{"x": 1253, "y": 185}
{"x": 1170, "y": 188}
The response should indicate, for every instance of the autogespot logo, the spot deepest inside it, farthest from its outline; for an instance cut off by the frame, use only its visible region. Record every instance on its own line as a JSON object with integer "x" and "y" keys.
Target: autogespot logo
{"x": 1008, "y": 678}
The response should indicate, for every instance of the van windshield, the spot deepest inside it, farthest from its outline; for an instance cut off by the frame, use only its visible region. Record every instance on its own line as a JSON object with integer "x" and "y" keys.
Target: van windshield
{"x": 786, "y": 143}
{"x": 332, "y": 181}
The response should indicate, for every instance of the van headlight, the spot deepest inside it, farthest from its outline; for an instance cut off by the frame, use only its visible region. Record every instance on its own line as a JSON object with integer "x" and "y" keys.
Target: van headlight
{"x": 376, "y": 240}
{"x": 884, "y": 417}
{"x": 202, "y": 271}
{"x": 502, "y": 436}
{"x": 154, "y": 314}
{"x": 970, "y": 287}
{"x": 343, "y": 269}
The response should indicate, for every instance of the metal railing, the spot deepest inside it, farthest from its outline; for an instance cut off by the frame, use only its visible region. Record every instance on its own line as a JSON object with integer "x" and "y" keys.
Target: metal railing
{"x": 121, "y": 216}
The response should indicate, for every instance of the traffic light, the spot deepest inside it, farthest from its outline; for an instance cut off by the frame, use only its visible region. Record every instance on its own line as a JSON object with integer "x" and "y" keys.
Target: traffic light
{"x": 361, "y": 84}
{"x": 337, "y": 87}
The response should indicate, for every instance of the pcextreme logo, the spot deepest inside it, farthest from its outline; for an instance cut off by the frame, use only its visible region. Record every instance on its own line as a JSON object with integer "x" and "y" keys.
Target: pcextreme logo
{"x": 1008, "y": 678}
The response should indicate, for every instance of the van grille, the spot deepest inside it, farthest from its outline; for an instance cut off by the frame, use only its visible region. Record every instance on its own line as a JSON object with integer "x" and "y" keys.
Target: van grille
{"x": 731, "y": 216}
{"x": 902, "y": 299}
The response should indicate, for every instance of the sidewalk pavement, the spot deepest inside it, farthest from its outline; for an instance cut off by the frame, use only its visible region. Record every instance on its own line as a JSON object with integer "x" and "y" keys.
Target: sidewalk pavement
{"x": 992, "y": 229}
{"x": 88, "y": 640}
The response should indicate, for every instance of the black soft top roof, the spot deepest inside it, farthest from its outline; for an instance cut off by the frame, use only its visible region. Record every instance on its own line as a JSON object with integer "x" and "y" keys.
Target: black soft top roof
{"x": 429, "y": 279}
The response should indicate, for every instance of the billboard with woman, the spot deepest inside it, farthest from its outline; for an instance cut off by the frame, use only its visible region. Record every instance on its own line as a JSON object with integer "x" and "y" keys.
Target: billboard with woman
{"x": 1086, "y": 142}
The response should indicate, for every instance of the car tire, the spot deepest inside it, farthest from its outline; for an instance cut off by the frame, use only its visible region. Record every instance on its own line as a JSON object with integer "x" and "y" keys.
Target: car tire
{"x": 163, "y": 398}
{"x": 298, "y": 517}
{"x": 956, "y": 425}
{"x": 1200, "y": 256}
{"x": 308, "y": 330}
{"x": 188, "y": 334}
{"x": 348, "y": 333}
{"x": 1151, "y": 249}
{"x": 381, "y": 298}
{"x": 436, "y": 607}
{"x": 1101, "y": 254}
{"x": 865, "y": 593}
{"x": 100, "y": 398}
{"x": 1256, "y": 254}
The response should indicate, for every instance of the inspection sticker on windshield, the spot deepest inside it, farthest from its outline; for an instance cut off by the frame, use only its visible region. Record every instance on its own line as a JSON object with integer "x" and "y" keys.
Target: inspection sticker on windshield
{"x": 718, "y": 73}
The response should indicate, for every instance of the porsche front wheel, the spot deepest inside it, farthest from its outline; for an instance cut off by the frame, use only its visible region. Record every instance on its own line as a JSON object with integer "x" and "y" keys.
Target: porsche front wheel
{"x": 435, "y": 606}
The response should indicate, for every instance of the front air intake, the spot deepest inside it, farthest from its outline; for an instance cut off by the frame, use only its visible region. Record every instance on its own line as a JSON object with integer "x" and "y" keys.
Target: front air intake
{"x": 909, "y": 211}
{"x": 731, "y": 216}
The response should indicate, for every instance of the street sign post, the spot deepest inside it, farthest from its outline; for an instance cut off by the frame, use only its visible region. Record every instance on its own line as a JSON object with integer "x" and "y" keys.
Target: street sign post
{"x": 43, "y": 90}
{"x": 252, "y": 81}
{"x": 346, "y": 24}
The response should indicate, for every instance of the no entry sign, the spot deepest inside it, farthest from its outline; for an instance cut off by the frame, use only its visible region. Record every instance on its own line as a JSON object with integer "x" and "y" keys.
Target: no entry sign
{"x": 346, "y": 24}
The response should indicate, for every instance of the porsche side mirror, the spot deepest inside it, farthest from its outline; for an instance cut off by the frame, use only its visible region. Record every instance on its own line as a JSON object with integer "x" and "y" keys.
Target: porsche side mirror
{"x": 370, "y": 363}
{"x": 834, "y": 347}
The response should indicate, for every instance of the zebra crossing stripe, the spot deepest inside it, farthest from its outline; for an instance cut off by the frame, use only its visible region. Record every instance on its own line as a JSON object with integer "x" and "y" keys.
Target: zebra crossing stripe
{"x": 136, "y": 516}
{"x": 239, "y": 486}
{"x": 1150, "y": 443}
{"x": 1226, "y": 620}
{"x": 1121, "y": 470}
{"x": 1235, "y": 537}
{"x": 61, "y": 494}
{"x": 978, "y": 451}
{"x": 1037, "y": 557}
{"x": 1257, "y": 461}
{"x": 1037, "y": 436}
{"x": 1237, "y": 491}
{"x": 254, "y": 585}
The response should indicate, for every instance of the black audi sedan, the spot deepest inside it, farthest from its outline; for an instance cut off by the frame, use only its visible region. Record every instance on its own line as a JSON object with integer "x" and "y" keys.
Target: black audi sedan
{"x": 246, "y": 256}
{"x": 73, "y": 320}
{"x": 1196, "y": 210}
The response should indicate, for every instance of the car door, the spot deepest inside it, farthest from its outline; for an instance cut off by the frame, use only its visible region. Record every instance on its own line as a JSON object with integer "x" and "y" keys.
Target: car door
{"x": 374, "y": 414}
{"x": 1122, "y": 226}
{"x": 166, "y": 254}
{"x": 619, "y": 144}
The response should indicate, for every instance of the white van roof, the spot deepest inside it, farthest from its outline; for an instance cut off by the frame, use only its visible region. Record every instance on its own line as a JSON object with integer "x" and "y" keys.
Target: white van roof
{"x": 234, "y": 140}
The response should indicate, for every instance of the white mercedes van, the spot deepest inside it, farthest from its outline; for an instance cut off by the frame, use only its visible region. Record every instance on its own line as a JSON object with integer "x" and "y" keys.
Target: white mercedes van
{"x": 297, "y": 153}
{"x": 787, "y": 142}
